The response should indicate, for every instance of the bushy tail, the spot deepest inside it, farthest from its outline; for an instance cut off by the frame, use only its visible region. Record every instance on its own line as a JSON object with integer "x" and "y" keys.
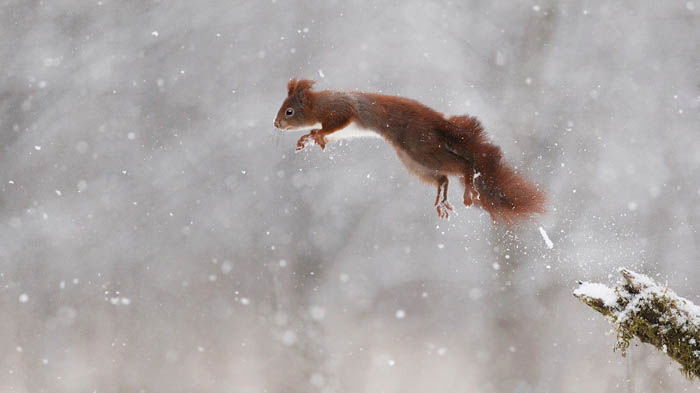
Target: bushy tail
{"x": 497, "y": 188}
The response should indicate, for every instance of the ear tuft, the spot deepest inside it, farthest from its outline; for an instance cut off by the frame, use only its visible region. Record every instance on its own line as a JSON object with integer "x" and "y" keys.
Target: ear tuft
{"x": 296, "y": 86}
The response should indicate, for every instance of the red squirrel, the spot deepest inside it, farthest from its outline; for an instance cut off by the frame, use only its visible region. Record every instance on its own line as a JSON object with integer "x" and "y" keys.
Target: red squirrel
{"x": 429, "y": 144}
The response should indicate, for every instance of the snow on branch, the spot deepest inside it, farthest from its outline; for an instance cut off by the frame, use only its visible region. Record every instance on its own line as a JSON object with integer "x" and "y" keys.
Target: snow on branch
{"x": 639, "y": 307}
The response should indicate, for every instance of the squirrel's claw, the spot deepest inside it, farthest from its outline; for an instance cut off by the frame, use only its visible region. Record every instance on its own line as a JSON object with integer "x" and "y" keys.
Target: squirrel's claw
{"x": 314, "y": 136}
{"x": 443, "y": 208}
{"x": 303, "y": 142}
{"x": 320, "y": 139}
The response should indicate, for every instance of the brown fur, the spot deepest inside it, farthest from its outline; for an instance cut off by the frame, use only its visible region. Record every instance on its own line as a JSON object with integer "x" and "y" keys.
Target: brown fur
{"x": 430, "y": 145}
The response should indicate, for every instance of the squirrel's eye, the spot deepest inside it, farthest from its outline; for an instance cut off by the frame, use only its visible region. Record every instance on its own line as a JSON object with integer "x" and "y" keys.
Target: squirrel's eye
{"x": 289, "y": 112}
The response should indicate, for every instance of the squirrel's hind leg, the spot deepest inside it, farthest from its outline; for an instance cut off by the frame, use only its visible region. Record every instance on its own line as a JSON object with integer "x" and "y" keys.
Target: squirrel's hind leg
{"x": 429, "y": 176}
{"x": 441, "y": 204}
{"x": 469, "y": 190}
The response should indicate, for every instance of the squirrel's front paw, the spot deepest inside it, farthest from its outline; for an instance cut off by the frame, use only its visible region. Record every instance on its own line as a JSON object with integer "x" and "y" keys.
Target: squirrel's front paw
{"x": 320, "y": 139}
{"x": 303, "y": 142}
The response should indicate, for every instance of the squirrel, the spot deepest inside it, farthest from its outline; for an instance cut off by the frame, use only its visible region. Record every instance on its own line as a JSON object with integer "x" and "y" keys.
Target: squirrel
{"x": 429, "y": 144}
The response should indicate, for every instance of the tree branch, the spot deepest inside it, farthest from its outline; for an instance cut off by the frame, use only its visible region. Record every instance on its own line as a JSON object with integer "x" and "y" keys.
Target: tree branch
{"x": 639, "y": 307}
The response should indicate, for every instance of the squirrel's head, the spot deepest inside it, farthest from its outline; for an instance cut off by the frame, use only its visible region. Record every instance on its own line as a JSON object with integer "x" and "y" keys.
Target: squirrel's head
{"x": 295, "y": 110}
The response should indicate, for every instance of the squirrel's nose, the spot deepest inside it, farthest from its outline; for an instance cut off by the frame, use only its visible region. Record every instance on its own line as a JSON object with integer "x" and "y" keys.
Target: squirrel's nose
{"x": 277, "y": 123}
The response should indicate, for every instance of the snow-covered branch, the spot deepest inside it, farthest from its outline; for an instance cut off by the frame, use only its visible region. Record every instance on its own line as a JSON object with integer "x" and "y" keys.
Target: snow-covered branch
{"x": 639, "y": 307}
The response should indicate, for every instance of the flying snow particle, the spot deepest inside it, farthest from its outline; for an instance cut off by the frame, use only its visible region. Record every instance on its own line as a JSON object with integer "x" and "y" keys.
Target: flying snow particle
{"x": 500, "y": 58}
{"x": 321, "y": 74}
{"x": 23, "y": 298}
{"x": 317, "y": 313}
{"x": 37, "y": 147}
{"x": 81, "y": 147}
{"x": 131, "y": 136}
{"x": 226, "y": 267}
{"x": 317, "y": 380}
{"x": 547, "y": 241}
{"x": 476, "y": 293}
{"x": 154, "y": 33}
{"x": 52, "y": 62}
{"x": 400, "y": 314}
{"x": 289, "y": 337}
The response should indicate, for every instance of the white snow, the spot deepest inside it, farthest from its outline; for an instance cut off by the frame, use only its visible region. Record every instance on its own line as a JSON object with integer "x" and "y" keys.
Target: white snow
{"x": 226, "y": 267}
{"x": 684, "y": 312}
{"x": 597, "y": 291}
{"x": 546, "y": 238}
{"x": 289, "y": 337}
{"x": 318, "y": 313}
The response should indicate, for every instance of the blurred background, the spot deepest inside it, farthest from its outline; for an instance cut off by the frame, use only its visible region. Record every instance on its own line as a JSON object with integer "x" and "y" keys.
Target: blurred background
{"x": 157, "y": 234}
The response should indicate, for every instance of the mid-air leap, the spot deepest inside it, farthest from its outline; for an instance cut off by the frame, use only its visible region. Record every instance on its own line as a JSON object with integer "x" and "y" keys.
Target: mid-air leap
{"x": 429, "y": 144}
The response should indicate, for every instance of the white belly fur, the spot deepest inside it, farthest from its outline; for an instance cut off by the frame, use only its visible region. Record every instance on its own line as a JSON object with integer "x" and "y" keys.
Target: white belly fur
{"x": 351, "y": 132}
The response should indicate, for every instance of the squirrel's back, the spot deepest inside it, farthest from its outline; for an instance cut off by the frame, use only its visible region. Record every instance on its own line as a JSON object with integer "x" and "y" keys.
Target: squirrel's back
{"x": 389, "y": 115}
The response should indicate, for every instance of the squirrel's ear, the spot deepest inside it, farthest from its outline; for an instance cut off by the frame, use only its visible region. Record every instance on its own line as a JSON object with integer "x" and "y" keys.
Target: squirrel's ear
{"x": 299, "y": 86}
{"x": 291, "y": 86}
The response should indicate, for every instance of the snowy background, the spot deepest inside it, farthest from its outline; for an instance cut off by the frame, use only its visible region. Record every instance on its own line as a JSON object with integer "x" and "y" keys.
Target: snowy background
{"x": 158, "y": 235}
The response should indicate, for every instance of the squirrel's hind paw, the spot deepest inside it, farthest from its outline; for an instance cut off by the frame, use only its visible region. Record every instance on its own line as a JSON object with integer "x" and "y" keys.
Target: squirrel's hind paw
{"x": 443, "y": 208}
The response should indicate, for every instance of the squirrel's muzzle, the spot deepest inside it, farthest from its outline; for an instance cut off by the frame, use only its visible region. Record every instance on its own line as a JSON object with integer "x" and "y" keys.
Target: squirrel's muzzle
{"x": 281, "y": 124}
